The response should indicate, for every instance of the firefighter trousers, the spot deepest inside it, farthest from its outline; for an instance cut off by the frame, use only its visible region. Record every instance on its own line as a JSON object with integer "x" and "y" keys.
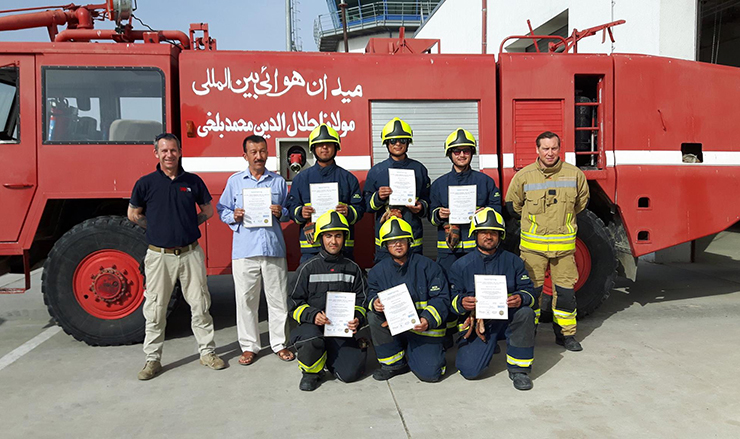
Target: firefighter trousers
{"x": 474, "y": 355}
{"x": 564, "y": 275}
{"x": 343, "y": 357}
{"x": 424, "y": 355}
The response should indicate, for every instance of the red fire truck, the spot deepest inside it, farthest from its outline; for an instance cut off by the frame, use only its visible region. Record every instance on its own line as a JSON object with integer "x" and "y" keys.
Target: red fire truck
{"x": 78, "y": 116}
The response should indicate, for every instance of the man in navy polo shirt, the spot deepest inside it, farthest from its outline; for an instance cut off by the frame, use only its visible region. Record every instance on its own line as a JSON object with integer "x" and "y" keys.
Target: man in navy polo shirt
{"x": 163, "y": 203}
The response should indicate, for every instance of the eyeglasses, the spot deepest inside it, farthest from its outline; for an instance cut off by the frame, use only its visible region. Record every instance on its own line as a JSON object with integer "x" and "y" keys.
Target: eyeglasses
{"x": 401, "y": 141}
{"x": 397, "y": 243}
{"x": 465, "y": 151}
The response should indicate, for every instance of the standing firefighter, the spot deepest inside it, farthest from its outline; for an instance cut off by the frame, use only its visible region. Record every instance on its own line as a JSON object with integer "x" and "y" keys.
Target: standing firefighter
{"x": 547, "y": 195}
{"x": 324, "y": 144}
{"x": 453, "y": 240}
{"x": 421, "y": 349}
{"x": 397, "y": 136}
{"x": 327, "y": 271}
{"x": 477, "y": 346}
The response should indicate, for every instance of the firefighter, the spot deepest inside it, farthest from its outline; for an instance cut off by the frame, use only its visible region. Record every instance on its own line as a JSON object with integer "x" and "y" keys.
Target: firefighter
{"x": 453, "y": 240}
{"x": 328, "y": 270}
{"x": 477, "y": 346}
{"x": 397, "y": 136}
{"x": 421, "y": 349}
{"x": 324, "y": 144}
{"x": 547, "y": 195}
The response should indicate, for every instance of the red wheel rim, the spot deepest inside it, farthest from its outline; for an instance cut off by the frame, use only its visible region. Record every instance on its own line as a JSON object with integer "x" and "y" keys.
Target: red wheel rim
{"x": 107, "y": 284}
{"x": 583, "y": 262}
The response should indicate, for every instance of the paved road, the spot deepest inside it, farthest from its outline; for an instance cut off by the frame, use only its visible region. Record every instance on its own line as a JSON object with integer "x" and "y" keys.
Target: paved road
{"x": 660, "y": 360}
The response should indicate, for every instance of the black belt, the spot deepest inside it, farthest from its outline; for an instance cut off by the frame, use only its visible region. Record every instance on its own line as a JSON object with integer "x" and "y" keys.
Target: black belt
{"x": 177, "y": 251}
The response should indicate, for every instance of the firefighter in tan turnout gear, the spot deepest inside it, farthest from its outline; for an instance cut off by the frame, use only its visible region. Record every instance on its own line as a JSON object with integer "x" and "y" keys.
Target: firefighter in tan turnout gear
{"x": 547, "y": 195}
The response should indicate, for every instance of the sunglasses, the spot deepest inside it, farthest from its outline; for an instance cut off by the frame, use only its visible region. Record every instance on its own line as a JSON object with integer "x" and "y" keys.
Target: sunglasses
{"x": 464, "y": 151}
{"x": 401, "y": 141}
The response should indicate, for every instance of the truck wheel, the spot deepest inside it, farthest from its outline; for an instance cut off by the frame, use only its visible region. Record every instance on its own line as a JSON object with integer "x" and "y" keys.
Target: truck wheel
{"x": 596, "y": 259}
{"x": 91, "y": 282}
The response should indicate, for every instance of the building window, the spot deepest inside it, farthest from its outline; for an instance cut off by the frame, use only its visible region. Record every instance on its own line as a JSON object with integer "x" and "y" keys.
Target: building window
{"x": 9, "y": 105}
{"x": 103, "y": 105}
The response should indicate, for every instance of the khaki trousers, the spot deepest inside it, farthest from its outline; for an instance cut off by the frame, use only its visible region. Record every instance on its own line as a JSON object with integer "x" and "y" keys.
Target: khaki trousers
{"x": 564, "y": 275}
{"x": 162, "y": 273}
{"x": 250, "y": 274}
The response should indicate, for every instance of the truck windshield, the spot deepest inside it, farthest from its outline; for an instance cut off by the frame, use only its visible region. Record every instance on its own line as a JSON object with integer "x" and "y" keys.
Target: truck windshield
{"x": 103, "y": 105}
{"x": 9, "y": 110}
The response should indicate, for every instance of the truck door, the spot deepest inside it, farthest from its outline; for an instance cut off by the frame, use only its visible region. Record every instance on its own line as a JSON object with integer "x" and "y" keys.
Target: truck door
{"x": 17, "y": 142}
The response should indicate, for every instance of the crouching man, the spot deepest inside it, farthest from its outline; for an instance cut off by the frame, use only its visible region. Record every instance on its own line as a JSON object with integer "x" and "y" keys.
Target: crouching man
{"x": 327, "y": 271}
{"x": 477, "y": 345}
{"x": 421, "y": 349}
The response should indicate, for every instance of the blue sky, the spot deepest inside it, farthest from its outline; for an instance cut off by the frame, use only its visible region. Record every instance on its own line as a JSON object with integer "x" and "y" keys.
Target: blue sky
{"x": 236, "y": 25}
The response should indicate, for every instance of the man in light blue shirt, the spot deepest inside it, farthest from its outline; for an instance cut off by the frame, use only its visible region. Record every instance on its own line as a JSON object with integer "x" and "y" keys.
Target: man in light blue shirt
{"x": 258, "y": 254}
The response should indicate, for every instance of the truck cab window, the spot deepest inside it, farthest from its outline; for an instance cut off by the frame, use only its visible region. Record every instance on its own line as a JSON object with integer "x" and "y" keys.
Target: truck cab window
{"x": 84, "y": 105}
{"x": 9, "y": 105}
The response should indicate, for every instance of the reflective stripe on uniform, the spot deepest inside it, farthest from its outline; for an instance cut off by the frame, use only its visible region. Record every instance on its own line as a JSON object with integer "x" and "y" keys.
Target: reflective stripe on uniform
{"x": 331, "y": 277}
{"x": 432, "y": 332}
{"x": 298, "y": 311}
{"x": 519, "y": 362}
{"x": 461, "y": 244}
{"x": 317, "y": 367}
{"x": 531, "y": 303}
{"x": 555, "y": 242}
{"x": 537, "y": 316}
{"x": 421, "y": 305}
{"x": 433, "y": 311}
{"x": 454, "y": 303}
{"x": 362, "y": 310}
{"x": 548, "y": 247}
{"x": 392, "y": 359}
{"x": 533, "y": 225}
{"x": 373, "y": 204}
{"x": 549, "y": 185}
{"x": 570, "y": 227}
{"x": 305, "y": 244}
{"x": 349, "y": 243}
{"x": 564, "y": 318}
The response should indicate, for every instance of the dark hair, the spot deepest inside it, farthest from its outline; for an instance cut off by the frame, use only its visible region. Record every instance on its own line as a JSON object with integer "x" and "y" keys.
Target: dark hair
{"x": 254, "y": 139}
{"x": 547, "y": 135}
{"x": 166, "y": 136}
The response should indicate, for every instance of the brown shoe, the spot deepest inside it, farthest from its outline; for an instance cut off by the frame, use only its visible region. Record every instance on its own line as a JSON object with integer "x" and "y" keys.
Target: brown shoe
{"x": 150, "y": 370}
{"x": 213, "y": 361}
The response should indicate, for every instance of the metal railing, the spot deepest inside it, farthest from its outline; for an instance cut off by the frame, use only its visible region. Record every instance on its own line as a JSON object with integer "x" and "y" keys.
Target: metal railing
{"x": 372, "y": 15}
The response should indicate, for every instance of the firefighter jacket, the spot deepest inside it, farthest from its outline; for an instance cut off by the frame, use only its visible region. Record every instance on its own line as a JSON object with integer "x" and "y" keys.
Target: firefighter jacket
{"x": 326, "y": 272}
{"x": 502, "y": 262}
{"x": 426, "y": 283}
{"x": 377, "y": 177}
{"x": 487, "y": 195}
{"x": 548, "y": 201}
{"x": 349, "y": 194}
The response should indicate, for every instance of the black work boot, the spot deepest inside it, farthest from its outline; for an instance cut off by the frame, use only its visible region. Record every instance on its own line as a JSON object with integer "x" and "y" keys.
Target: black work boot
{"x": 384, "y": 374}
{"x": 569, "y": 342}
{"x": 309, "y": 382}
{"x": 521, "y": 380}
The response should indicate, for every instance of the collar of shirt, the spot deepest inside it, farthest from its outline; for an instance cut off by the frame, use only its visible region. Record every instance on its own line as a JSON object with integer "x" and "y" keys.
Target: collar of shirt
{"x": 550, "y": 170}
{"x": 463, "y": 174}
{"x": 180, "y": 171}
{"x": 265, "y": 175}
{"x": 330, "y": 257}
{"x": 399, "y": 163}
{"x": 325, "y": 170}
{"x": 489, "y": 258}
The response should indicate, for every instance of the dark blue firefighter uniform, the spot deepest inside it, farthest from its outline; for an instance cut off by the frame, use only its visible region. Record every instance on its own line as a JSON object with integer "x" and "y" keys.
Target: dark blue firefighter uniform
{"x": 487, "y": 195}
{"x": 349, "y": 194}
{"x": 474, "y": 354}
{"x": 377, "y": 177}
{"x": 423, "y": 352}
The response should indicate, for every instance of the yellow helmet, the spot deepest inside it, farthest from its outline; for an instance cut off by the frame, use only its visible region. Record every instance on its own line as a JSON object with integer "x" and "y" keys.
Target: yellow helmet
{"x": 459, "y": 138}
{"x": 331, "y": 221}
{"x": 396, "y": 129}
{"x": 488, "y": 219}
{"x": 395, "y": 228}
{"x": 323, "y": 134}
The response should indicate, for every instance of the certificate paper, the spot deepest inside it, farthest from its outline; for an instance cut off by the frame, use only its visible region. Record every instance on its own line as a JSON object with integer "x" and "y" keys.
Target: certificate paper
{"x": 257, "y": 203}
{"x": 399, "y": 309}
{"x": 462, "y": 203}
{"x": 324, "y": 197}
{"x": 403, "y": 184}
{"x": 340, "y": 310}
{"x": 491, "y": 294}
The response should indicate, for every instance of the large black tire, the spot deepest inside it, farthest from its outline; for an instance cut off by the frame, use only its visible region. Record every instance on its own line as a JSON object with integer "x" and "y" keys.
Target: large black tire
{"x": 91, "y": 236}
{"x": 600, "y": 280}
{"x": 598, "y": 285}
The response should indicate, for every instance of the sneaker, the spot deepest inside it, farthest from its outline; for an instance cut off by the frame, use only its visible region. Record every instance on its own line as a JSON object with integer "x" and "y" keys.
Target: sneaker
{"x": 150, "y": 370}
{"x": 309, "y": 382}
{"x": 570, "y": 343}
{"x": 384, "y": 374}
{"x": 213, "y": 361}
{"x": 521, "y": 380}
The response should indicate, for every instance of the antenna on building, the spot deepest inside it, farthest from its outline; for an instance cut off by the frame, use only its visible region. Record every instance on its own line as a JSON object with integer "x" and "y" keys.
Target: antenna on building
{"x": 293, "y": 42}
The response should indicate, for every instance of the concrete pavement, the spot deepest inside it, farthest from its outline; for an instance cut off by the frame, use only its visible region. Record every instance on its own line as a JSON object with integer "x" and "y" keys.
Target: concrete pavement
{"x": 660, "y": 360}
